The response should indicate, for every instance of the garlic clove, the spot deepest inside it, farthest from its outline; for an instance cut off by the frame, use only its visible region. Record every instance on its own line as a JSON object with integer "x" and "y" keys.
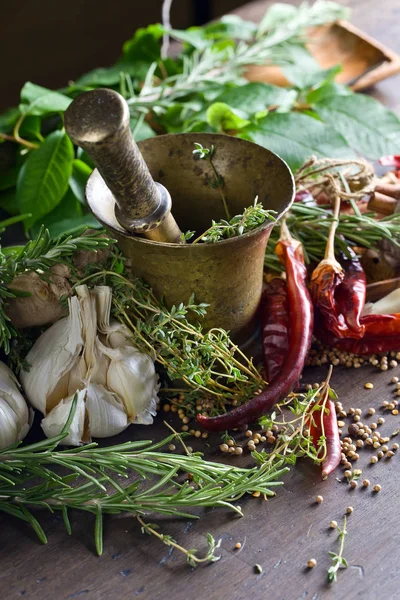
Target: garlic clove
{"x": 132, "y": 376}
{"x": 9, "y": 392}
{"x": 53, "y": 424}
{"x": 117, "y": 334}
{"x": 10, "y": 432}
{"x": 52, "y": 357}
{"x": 106, "y": 413}
{"x": 388, "y": 305}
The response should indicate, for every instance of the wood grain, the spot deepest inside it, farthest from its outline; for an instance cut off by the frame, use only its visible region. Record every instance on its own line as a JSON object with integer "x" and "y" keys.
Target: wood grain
{"x": 280, "y": 535}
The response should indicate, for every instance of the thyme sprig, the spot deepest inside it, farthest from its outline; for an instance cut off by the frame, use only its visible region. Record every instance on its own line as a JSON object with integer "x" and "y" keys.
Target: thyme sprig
{"x": 133, "y": 477}
{"x": 253, "y": 216}
{"x": 207, "y": 362}
{"x": 217, "y": 182}
{"x": 338, "y": 559}
{"x": 39, "y": 255}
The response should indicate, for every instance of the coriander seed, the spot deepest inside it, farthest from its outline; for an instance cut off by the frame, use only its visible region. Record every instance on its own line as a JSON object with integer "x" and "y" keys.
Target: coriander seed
{"x": 311, "y": 563}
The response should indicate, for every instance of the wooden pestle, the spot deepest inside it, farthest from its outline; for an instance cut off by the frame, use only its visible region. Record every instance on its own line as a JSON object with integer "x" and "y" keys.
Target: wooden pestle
{"x": 98, "y": 122}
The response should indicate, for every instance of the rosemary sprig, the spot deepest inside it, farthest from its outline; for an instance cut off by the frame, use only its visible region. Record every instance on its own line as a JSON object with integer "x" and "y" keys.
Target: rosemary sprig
{"x": 134, "y": 477}
{"x": 37, "y": 255}
{"x": 338, "y": 559}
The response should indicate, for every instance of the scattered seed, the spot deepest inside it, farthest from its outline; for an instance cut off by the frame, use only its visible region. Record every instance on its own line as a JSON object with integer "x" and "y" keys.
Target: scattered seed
{"x": 258, "y": 569}
{"x": 368, "y": 386}
{"x": 333, "y": 524}
{"x": 373, "y": 460}
{"x": 319, "y": 499}
{"x": 238, "y": 545}
{"x": 371, "y": 411}
{"x": 311, "y": 563}
{"x": 349, "y": 510}
{"x": 377, "y": 488}
{"x": 394, "y": 379}
{"x": 171, "y": 447}
{"x": 366, "y": 482}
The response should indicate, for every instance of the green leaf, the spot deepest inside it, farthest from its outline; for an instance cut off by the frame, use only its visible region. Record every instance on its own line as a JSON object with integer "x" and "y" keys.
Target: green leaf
{"x": 30, "y": 128}
{"x": 144, "y": 46}
{"x": 107, "y": 77}
{"x": 255, "y": 97}
{"x": 141, "y": 131}
{"x": 67, "y": 217}
{"x": 325, "y": 90}
{"x": 306, "y": 15}
{"x": 43, "y": 180}
{"x": 222, "y": 117}
{"x": 367, "y": 125}
{"x": 304, "y": 71}
{"x": 8, "y": 119}
{"x": 37, "y": 100}
{"x": 231, "y": 26}
{"x": 78, "y": 180}
{"x": 295, "y": 137}
{"x": 8, "y": 179}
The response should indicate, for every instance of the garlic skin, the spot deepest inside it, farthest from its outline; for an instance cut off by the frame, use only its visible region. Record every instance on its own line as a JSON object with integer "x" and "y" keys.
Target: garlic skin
{"x": 388, "y": 305}
{"x": 85, "y": 353}
{"x": 15, "y": 417}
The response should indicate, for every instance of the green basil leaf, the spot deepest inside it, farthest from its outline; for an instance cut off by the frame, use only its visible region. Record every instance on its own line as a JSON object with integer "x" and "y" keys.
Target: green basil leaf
{"x": 295, "y": 137}
{"x": 222, "y": 117}
{"x": 78, "y": 180}
{"x": 43, "y": 179}
{"x": 37, "y": 100}
{"x": 365, "y": 123}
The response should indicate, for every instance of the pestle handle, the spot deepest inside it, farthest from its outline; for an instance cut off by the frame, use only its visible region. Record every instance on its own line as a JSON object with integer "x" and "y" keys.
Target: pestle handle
{"x": 99, "y": 122}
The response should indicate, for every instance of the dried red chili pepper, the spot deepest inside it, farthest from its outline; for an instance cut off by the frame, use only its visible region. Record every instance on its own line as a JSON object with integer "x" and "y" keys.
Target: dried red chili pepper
{"x": 290, "y": 252}
{"x": 325, "y": 280}
{"x": 350, "y": 295}
{"x": 382, "y": 334}
{"x": 274, "y": 326}
{"x": 323, "y": 422}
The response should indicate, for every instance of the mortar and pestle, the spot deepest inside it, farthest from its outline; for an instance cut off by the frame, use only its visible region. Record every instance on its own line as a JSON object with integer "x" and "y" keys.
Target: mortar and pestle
{"x": 130, "y": 194}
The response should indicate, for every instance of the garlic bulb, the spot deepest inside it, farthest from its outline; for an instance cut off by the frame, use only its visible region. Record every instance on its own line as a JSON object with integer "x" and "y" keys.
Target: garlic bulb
{"x": 85, "y": 353}
{"x": 15, "y": 417}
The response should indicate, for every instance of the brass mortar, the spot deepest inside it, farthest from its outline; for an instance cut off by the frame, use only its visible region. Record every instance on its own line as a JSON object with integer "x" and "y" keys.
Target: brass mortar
{"x": 227, "y": 275}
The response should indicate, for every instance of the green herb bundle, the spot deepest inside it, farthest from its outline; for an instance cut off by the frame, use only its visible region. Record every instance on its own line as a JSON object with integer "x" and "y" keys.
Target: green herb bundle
{"x": 202, "y": 89}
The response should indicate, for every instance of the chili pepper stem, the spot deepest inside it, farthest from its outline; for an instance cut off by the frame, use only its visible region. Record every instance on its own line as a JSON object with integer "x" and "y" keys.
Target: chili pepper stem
{"x": 330, "y": 246}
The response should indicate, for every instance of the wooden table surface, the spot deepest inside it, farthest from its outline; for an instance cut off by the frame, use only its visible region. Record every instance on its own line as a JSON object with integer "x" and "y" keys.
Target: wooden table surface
{"x": 280, "y": 535}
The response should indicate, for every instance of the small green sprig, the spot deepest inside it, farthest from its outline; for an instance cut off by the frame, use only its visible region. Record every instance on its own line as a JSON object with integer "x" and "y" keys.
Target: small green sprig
{"x": 217, "y": 182}
{"x": 252, "y": 217}
{"x": 338, "y": 559}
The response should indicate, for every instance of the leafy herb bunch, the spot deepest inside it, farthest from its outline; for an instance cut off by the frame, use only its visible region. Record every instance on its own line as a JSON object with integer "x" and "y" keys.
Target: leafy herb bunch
{"x": 202, "y": 89}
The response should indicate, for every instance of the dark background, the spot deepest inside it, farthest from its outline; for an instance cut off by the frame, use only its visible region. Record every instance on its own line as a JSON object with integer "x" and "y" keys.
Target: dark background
{"x": 50, "y": 42}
